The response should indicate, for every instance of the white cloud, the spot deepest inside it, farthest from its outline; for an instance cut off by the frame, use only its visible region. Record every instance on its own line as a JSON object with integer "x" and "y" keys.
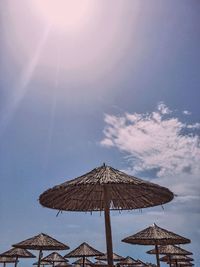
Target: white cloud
{"x": 159, "y": 142}
{"x": 186, "y": 112}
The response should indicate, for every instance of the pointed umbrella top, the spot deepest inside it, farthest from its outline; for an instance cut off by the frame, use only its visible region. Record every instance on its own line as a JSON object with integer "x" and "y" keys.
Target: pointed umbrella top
{"x": 128, "y": 261}
{"x": 18, "y": 252}
{"x": 41, "y": 242}
{"x": 83, "y": 250}
{"x": 170, "y": 249}
{"x": 155, "y": 235}
{"x": 86, "y": 193}
{"x": 43, "y": 263}
{"x": 115, "y": 257}
{"x": 54, "y": 257}
{"x": 80, "y": 262}
{"x": 7, "y": 259}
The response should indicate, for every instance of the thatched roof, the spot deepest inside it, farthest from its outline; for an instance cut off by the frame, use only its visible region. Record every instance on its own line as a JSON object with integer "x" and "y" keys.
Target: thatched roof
{"x": 83, "y": 250}
{"x": 63, "y": 264}
{"x": 128, "y": 261}
{"x": 7, "y": 259}
{"x": 115, "y": 257}
{"x": 80, "y": 261}
{"x": 43, "y": 263}
{"x": 170, "y": 249}
{"x": 18, "y": 252}
{"x": 54, "y": 257}
{"x": 155, "y": 235}
{"x": 86, "y": 193}
{"x": 176, "y": 258}
{"x": 99, "y": 263}
{"x": 41, "y": 241}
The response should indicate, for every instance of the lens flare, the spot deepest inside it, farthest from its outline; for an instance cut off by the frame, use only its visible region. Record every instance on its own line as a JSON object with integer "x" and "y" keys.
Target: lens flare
{"x": 66, "y": 15}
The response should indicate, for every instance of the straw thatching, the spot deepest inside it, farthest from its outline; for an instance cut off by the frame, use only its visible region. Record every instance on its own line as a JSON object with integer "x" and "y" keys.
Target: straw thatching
{"x": 115, "y": 257}
{"x": 43, "y": 263}
{"x": 86, "y": 193}
{"x": 127, "y": 261}
{"x": 41, "y": 242}
{"x": 83, "y": 250}
{"x": 170, "y": 249}
{"x": 63, "y": 264}
{"x": 54, "y": 257}
{"x": 81, "y": 261}
{"x": 155, "y": 235}
{"x": 18, "y": 252}
{"x": 176, "y": 258}
{"x": 99, "y": 263}
{"x": 4, "y": 259}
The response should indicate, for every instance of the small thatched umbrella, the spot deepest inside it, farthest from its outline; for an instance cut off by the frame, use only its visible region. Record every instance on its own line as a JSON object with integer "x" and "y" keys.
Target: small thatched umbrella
{"x": 18, "y": 253}
{"x": 102, "y": 189}
{"x": 170, "y": 250}
{"x": 80, "y": 262}
{"x": 84, "y": 250}
{"x": 54, "y": 257}
{"x": 155, "y": 235}
{"x": 176, "y": 259}
{"x": 128, "y": 261}
{"x": 63, "y": 264}
{"x": 43, "y": 263}
{"x": 5, "y": 260}
{"x": 99, "y": 263}
{"x": 41, "y": 242}
{"x": 115, "y": 257}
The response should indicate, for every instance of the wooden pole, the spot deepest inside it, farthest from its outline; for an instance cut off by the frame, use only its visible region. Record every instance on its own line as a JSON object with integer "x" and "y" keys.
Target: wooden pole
{"x": 170, "y": 260}
{"x": 83, "y": 261}
{"x": 16, "y": 261}
{"x": 108, "y": 227}
{"x": 4, "y": 264}
{"x": 39, "y": 258}
{"x": 157, "y": 255}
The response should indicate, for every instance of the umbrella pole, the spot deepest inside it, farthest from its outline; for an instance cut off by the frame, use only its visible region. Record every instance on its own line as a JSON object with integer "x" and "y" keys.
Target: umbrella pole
{"x": 39, "y": 258}
{"x": 16, "y": 261}
{"x": 170, "y": 262}
{"x": 157, "y": 255}
{"x": 108, "y": 228}
{"x": 83, "y": 261}
{"x": 4, "y": 264}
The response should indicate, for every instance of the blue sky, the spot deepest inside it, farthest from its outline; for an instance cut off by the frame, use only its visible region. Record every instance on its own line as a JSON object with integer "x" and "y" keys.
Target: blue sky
{"x": 118, "y": 85}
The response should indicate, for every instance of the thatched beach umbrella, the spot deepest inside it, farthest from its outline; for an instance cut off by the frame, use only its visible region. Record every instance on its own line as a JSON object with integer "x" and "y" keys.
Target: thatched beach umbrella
{"x": 5, "y": 260}
{"x": 102, "y": 189}
{"x": 83, "y": 250}
{"x": 18, "y": 253}
{"x": 63, "y": 264}
{"x": 128, "y": 261}
{"x": 99, "y": 263}
{"x": 155, "y": 235}
{"x": 115, "y": 257}
{"x": 176, "y": 259}
{"x": 41, "y": 242}
{"x": 80, "y": 262}
{"x": 43, "y": 263}
{"x": 54, "y": 257}
{"x": 170, "y": 250}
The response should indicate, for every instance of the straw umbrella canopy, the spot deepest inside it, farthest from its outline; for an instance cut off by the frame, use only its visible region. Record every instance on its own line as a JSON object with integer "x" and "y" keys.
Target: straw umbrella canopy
{"x": 81, "y": 262}
{"x": 84, "y": 250}
{"x": 18, "y": 253}
{"x": 54, "y": 257}
{"x": 43, "y": 263}
{"x": 5, "y": 260}
{"x": 41, "y": 242}
{"x": 170, "y": 250}
{"x": 102, "y": 189}
{"x": 99, "y": 263}
{"x": 127, "y": 261}
{"x": 176, "y": 259}
{"x": 115, "y": 257}
{"x": 155, "y": 235}
{"x": 63, "y": 264}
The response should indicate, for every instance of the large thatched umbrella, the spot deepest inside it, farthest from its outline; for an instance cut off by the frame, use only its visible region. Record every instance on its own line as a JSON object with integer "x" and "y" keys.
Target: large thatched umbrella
{"x": 102, "y": 189}
{"x": 83, "y": 250}
{"x": 155, "y": 235}
{"x": 41, "y": 242}
{"x": 18, "y": 253}
{"x": 5, "y": 260}
{"x": 170, "y": 250}
{"x": 54, "y": 257}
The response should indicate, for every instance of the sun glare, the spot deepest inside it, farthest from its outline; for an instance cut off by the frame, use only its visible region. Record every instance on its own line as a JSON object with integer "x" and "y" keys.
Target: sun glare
{"x": 66, "y": 15}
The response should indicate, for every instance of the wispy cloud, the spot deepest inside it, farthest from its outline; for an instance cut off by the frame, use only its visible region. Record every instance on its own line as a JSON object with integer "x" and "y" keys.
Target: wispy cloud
{"x": 159, "y": 142}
